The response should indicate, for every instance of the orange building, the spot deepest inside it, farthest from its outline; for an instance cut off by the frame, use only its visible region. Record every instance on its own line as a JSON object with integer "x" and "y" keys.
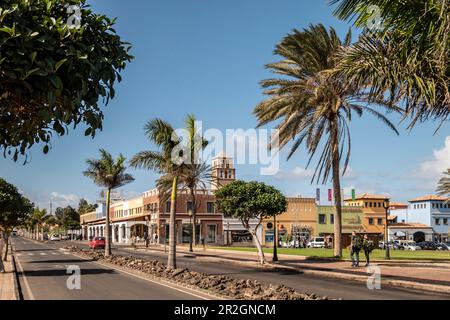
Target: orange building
{"x": 299, "y": 221}
{"x": 374, "y": 214}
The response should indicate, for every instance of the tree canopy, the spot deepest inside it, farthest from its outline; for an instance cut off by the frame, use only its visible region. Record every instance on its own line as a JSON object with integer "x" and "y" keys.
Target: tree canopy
{"x": 14, "y": 208}
{"x": 250, "y": 200}
{"x": 53, "y": 75}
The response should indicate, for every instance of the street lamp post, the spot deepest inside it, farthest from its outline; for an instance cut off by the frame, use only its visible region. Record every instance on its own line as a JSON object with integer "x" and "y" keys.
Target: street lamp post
{"x": 228, "y": 234}
{"x": 275, "y": 239}
{"x": 386, "y": 229}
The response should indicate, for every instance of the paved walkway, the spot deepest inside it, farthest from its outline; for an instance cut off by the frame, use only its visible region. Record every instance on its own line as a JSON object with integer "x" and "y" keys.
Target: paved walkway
{"x": 7, "y": 283}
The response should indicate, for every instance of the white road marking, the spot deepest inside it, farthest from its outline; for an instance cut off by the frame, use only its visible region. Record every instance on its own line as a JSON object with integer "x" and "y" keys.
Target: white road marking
{"x": 54, "y": 253}
{"x": 25, "y": 280}
{"x": 31, "y": 254}
{"x": 18, "y": 254}
{"x": 42, "y": 253}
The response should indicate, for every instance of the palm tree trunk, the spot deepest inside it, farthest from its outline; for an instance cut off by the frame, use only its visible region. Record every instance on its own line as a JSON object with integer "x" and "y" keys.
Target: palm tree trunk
{"x": 337, "y": 189}
{"x": 172, "y": 258}
{"x": 194, "y": 218}
{"x": 107, "y": 229}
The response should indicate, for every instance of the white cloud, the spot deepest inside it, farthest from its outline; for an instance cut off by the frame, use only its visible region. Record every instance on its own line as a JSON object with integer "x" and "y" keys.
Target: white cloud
{"x": 296, "y": 174}
{"x": 428, "y": 173}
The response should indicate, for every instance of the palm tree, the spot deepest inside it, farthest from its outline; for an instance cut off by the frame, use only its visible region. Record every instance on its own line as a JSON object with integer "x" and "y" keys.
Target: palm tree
{"x": 444, "y": 185}
{"x": 193, "y": 177}
{"x": 162, "y": 134}
{"x": 407, "y": 57}
{"x": 110, "y": 174}
{"x": 40, "y": 218}
{"x": 314, "y": 106}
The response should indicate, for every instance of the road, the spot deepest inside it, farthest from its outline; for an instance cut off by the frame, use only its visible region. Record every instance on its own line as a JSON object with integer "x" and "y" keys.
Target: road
{"x": 332, "y": 288}
{"x": 43, "y": 276}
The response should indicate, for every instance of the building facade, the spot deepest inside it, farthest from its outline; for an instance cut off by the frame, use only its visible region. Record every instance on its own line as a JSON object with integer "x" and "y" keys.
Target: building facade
{"x": 432, "y": 211}
{"x": 299, "y": 222}
{"x": 374, "y": 213}
{"x": 352, "y": 220}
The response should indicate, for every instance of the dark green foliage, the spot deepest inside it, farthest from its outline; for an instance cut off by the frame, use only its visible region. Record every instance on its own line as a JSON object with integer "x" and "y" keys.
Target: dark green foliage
{"x": 53, "y": 76}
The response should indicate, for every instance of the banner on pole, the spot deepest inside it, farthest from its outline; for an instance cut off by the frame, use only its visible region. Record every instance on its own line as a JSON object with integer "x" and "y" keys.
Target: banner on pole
{"x": 353, "y": 194}
{"x": 318, "y": 195}
{"x": 330, "y": 195}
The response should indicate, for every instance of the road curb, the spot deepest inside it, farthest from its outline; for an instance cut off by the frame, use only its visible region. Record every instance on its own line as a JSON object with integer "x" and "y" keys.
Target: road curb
{"x": 17, "y": 289}
{"x": 334, "y": 275}
{"x": 179, "y": 285}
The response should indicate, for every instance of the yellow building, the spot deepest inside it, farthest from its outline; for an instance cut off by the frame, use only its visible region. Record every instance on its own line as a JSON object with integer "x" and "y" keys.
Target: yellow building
{"x": 299, "y": 221}
{"x": 374, "y": 219}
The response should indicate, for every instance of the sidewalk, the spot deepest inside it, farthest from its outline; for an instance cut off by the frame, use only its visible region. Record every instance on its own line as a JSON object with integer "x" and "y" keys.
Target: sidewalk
{"x": 431, "y": 277}
{"x": 7, "y": 282}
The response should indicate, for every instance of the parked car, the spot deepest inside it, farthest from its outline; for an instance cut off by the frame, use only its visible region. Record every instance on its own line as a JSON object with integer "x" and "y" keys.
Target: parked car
{"x": 45, "y": 237}
{"x": 447, "y": 245}
{"x": 97, "y": 243}
{"x": 427, "y": 245}
{"x": 318, "y": 242}
{"x": 55, "y": 237}
{"x": 411, "y": 246}
{"x": 65, "y": 237}
{"x": 441, "y": 246}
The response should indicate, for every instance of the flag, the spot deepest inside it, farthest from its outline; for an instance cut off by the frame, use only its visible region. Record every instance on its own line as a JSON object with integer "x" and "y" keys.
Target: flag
{"x": 330, "y": 195}
{"x": 353, "y": 194}
{"x": 318, "y": 195}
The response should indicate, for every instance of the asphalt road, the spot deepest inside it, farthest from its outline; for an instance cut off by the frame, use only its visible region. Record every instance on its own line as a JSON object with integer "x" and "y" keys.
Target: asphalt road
{"x": 43, "y": 276}
{"x": 115, "y": 283}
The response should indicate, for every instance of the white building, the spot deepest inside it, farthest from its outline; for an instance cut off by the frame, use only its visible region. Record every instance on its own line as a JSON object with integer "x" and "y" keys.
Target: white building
{"x": 417, "y": 232}
{"x": 432, "y": 211}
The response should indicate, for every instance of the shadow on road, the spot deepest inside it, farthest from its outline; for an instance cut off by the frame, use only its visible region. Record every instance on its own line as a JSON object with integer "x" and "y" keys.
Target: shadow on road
{"x": 25, "y": 250}
{"x": 59, "y": 261}
{"x": 56, "y": 273}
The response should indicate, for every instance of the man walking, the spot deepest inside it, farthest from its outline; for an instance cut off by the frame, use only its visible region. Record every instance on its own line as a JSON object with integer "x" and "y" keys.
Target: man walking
{"x": 355, "y": 249}
{"x": 368, "y": 248}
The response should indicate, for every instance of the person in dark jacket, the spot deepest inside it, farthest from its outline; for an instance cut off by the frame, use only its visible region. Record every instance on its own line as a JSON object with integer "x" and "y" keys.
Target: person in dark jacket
{"x": 368, "y": 248}
{"x": 355, "y": 249}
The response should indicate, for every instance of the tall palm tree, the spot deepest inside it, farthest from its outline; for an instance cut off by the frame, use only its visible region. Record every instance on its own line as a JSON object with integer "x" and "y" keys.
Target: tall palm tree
{"x": 406, "y": 56}
{"x": 192, "y": 178}
{"x": 314, "y": 107}
{"x": 110, "y": 174}
{"x": 444, "y": 185}
{"x": 162, "y": 134}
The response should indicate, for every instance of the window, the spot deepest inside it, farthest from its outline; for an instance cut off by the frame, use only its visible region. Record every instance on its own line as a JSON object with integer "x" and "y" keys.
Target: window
{"x": 424, "y": 205}
{"x": 322, "y": 219}
{"x": 434, "y": 206}
{"x": 366, "y": 205}
{"x": 210, "y": 207}
{"x": 371, "y": 221}
{"x": 167, "y": 207}
{"x": 189, "y": 206}
{"x": 437, "y": 221}
{"x": 332, "y": 218}
{"x": 380, "y": 221}
{"x": 370, "y": 204}
{"x": 446, "y": 221}
{"x": 415, "y": 207}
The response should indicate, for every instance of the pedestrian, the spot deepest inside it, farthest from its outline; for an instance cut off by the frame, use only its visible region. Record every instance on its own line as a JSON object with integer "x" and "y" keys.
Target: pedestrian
{"x": 155, "y": 238}
{"x": 355, "y": 249}
{"x": 368, "y": 247}
{"x": 2, "y": 244}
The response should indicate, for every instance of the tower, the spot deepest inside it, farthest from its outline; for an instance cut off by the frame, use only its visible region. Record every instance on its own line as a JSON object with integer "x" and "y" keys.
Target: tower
{"x": 223, "y": 171}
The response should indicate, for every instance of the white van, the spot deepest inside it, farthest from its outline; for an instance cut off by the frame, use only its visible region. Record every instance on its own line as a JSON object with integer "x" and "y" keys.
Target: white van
{"x": 318, "y": 242}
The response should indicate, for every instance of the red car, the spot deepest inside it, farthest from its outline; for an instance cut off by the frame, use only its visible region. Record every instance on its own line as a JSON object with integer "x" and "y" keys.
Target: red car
{"x": 97, "y": 243}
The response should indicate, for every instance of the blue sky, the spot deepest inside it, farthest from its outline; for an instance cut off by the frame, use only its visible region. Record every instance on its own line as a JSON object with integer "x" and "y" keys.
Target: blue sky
{"x": 207, "y": 57}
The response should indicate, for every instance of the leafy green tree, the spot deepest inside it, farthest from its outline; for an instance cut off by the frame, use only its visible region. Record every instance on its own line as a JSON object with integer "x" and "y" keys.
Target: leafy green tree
{"x": 85, "y": 207}
{"x": 67, "y": 218}
{"x": 110, "y": 174}
{"x": 250, "y": 200}
{"x": 405, "y": 57}
{"x": 444, "y": 185}
{"x": 53, "y": 75}
{"x": 312, "y": 106}
{"x": 14, "y": 209}
{"x": 162, "y": 134}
